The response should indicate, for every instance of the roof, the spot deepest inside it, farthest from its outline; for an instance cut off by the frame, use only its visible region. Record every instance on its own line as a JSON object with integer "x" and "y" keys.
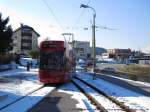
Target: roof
{"x": 26, "y": 26}
{"x": 99, "y": 49}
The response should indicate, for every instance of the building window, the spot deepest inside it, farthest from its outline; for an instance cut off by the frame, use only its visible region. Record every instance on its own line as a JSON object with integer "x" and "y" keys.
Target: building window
{"x": 27, "y": 37}
{"x": 26, "y": 32}
{"x": 81, "y": 50}
{"x": 26, "y": 48}
{"x": 26, "y": 41}
{"x": 26, "y": 44}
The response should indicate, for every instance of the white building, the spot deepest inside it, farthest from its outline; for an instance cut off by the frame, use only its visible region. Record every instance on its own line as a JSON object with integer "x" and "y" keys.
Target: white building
{"x": 24, "y": 39}
{"x": 145, "y": 59}
{"x": 105, "y": 55}
{"x": 82, "y": 49}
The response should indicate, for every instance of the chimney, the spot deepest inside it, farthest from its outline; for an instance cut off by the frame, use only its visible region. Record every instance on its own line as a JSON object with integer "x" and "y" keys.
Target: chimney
{"x": 21, "y": 24}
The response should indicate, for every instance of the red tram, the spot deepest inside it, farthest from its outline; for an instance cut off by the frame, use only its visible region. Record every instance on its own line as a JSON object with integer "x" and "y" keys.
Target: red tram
{"x": 56, "y": 62}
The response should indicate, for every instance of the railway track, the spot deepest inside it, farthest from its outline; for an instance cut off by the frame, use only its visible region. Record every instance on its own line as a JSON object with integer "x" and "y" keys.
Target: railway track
{"x": 13, "y": 102}
{"x": 23, "y": 100}
{"x": 102, "y": 101}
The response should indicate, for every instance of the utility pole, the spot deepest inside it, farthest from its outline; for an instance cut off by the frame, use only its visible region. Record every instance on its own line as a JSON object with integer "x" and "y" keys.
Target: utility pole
{"x": 93, "y": 38}
{"x": 94, "y": 46}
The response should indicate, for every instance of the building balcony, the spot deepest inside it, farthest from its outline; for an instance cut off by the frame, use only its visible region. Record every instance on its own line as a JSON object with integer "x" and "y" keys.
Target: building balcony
{"x": 26, "y": 47}
{"x": 26, "y": 34}
{"x": 26, "y": 41}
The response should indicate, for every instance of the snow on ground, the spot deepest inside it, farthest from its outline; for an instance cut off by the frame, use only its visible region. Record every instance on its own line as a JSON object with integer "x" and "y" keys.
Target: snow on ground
{"x": 132, "y": 99}
{"x": 84, "y": 104}
{"x": 105, "y": 102}
{"x": 24, "y": 104}
{"x": 138, "y": 82}
{"x": 17, "y": 83}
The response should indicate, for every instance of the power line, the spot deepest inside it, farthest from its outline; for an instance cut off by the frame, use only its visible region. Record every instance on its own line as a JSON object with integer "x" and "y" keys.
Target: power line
{"x": 51, "y": 11}
{"x": 56, "y": 19}
{"x": 79, "y": 17}
{"x": 105, "y": 27}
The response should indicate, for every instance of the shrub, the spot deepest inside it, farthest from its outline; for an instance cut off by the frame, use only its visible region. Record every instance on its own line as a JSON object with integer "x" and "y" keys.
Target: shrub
{"x": 34, "y": 54}
{"x": 5, "y": 58}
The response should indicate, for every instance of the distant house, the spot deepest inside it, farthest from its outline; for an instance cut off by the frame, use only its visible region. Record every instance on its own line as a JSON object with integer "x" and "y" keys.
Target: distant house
{"x": 139, "y": 57}
{"x": 24, "y": 39}
{"x": 121, "y": 55}
{"x": 145, "y": 59}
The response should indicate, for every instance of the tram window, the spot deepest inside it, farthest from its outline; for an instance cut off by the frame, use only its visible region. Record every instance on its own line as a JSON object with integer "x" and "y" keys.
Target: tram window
{"x": 52, "y": 60}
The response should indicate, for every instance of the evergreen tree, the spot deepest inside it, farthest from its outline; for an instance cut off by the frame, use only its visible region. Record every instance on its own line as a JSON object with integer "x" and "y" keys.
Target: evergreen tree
{"x": 34, "y": 54}
{"x": 5, "y": 35}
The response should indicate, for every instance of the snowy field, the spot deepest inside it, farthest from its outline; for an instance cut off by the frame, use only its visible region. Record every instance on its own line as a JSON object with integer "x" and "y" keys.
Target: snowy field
{"x": 132, "y": 99}
{"x": 14, "y": 84}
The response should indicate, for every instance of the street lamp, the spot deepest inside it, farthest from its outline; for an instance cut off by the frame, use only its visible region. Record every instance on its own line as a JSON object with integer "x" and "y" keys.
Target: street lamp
{"x": 93, "y": 37}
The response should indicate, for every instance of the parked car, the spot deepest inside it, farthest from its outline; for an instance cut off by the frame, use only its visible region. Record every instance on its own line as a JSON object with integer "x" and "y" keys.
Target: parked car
{"x": 82, "y": 65}
{"x": 109, "y": 69}
{"x": 24, "y": 56}
{"x": 25, "y": 61}
{"x": 81, "y": 68}
{"x": 89, "y": 62}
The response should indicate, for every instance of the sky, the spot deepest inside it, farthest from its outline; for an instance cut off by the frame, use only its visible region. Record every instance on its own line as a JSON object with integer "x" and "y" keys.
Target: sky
{"x": 129, "y": 20}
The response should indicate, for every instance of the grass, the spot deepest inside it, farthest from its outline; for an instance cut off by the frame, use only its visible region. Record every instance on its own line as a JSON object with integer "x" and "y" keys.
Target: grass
{"x": 135, "y": 69}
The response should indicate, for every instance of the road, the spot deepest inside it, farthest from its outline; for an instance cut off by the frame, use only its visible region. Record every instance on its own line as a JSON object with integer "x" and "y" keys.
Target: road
{"x": 56, "y": 102}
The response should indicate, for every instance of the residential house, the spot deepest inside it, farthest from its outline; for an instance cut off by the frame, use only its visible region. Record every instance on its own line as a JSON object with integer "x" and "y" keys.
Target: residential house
{"x": 24, "y": 39}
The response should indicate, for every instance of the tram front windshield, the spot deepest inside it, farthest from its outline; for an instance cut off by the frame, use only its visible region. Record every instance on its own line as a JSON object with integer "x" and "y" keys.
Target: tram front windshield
{"x": 51, "y": 60}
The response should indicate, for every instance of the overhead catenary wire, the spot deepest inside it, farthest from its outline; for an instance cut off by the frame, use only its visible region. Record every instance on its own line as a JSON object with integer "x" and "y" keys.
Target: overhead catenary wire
{"x": 53, "y": 14}
{"x": 79, "y": 17}
{"x": 58, "y": 22}
{"x": 97, "y": 26}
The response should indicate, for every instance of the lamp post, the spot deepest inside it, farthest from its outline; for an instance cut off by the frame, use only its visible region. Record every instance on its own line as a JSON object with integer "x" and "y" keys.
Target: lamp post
{"x": 93, "y": 37}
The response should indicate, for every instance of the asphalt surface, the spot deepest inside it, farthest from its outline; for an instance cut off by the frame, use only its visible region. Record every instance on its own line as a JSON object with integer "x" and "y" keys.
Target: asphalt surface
{"x": 56, "y": 102}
